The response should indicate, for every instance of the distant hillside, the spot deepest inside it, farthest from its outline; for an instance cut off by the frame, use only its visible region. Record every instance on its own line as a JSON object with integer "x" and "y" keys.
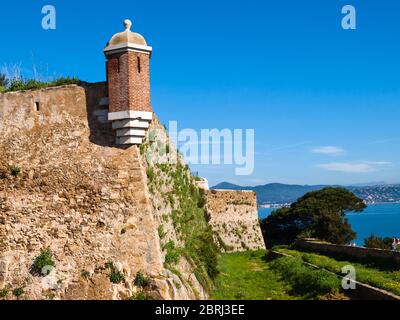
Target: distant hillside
{"x": 278, "y": 193}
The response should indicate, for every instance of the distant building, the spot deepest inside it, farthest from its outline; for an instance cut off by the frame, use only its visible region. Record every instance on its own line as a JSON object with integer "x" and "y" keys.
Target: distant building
{"x": 202, "y": 183}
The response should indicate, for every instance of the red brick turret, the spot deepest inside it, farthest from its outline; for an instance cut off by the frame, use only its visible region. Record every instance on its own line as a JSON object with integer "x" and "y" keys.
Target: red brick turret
{"x": 128, "y": 76}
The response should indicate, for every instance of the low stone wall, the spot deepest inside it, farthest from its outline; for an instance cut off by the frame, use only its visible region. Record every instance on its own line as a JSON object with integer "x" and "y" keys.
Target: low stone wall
{"x": 362, "y": 291}
{"x": 234, "y": 217}
{"x": 355, "y": 253}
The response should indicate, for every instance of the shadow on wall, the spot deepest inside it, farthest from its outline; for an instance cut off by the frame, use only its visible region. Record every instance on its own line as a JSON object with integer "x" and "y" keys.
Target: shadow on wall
{"x": 101, "y": 132}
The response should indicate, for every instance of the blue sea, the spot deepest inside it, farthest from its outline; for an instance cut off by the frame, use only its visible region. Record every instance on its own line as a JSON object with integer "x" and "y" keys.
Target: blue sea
{"x": 379, "y": 219}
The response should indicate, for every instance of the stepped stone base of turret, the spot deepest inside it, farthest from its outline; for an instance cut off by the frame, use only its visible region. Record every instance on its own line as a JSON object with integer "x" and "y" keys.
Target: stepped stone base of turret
{"x": 130, "y": 126}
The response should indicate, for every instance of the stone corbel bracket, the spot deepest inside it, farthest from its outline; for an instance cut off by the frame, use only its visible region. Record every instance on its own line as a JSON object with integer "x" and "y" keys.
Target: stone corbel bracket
{"x": 130, "y": 126}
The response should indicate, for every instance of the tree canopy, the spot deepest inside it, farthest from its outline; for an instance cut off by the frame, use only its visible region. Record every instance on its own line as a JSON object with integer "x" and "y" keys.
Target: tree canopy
{"x": 318, "y": 214}
{"x": 376, "y": 242}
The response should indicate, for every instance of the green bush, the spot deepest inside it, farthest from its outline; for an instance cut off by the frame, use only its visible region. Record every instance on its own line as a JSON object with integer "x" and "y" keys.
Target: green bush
{"x": 172, "y": 256}
{"x": 45, "y": 259}
{"x": 18, "y": 292}
{"x": 4, "y": 292}
{"x": 116, "y": 277}
{"x": 141, "y": 281}
{"x": 375, "y": 242}
{"x": 15, "y": 171}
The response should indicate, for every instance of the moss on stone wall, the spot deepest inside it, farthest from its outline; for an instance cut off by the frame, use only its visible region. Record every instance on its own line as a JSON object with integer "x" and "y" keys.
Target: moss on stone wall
{"x": 185, "y": 210}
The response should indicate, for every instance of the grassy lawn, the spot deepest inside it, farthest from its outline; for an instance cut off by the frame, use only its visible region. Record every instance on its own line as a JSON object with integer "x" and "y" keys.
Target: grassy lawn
{"x": 249, "y": 276}
{"x": 246, "y": 276}
{"x": 384, "y": 279}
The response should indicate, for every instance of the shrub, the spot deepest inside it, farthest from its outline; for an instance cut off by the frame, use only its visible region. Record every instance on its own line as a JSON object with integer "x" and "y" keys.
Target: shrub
{"x": 141, "y": 281}
{"x": 3, "y": 292}
{"x": 116, "y": 277}
{"x": 375, "y": 242}
{"x": 45, "y": 259}
{"x": 15, "y": 171}
{"x": 18, "y": 292}
{"x": 172, "y": 256}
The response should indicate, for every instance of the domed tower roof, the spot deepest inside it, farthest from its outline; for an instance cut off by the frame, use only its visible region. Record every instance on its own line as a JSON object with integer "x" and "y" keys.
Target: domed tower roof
{"x": 127, "y": 36}
{"x": 127, "y": 40}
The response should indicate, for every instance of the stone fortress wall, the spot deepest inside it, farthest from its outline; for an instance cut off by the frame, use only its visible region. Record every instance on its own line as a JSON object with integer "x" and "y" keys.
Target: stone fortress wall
{"x": 234, "y": 217}
{"x": 78, "y": 195}
{"x": 87, "y": 200}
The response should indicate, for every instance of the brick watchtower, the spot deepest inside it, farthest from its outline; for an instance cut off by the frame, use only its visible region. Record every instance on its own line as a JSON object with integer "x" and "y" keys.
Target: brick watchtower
{"x": 128, "y": 76}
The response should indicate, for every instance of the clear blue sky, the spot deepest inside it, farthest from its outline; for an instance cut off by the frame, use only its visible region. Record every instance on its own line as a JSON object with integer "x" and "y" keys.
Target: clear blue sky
{"x": 324, "y": 102}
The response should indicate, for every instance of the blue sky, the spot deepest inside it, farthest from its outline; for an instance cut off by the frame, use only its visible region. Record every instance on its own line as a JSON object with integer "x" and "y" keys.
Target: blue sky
{"x": 324, "y": 102}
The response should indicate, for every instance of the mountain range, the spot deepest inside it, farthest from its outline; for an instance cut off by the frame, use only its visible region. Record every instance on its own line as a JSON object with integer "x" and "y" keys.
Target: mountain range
{"x": 278, "y": 193}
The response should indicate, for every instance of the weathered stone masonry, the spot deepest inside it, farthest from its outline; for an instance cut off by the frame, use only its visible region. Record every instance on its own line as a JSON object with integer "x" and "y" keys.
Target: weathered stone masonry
{"x": 83, "y": 189}
{"x": 234, "y": 217}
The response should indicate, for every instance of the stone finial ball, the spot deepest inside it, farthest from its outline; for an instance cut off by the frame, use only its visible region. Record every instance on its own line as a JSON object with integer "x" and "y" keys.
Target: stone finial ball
{"x": 127, "y": 24}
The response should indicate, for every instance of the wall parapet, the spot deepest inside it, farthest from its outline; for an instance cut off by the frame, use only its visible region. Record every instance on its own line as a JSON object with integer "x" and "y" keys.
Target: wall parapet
{"x": 233, "y": 216}
{"x": 355, "y": 253}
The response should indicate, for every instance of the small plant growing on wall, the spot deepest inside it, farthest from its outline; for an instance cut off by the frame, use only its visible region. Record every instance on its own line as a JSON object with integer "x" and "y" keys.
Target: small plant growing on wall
{"x": 172, "y": 256}
{"x": 116, "y": 277}
{"x": 15, "y": 171}
{"x": 18, "y": 292}
{"x": 141, "y": 280}
{"x": 4, "y": 292}
{"x": 43, "y": 263}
